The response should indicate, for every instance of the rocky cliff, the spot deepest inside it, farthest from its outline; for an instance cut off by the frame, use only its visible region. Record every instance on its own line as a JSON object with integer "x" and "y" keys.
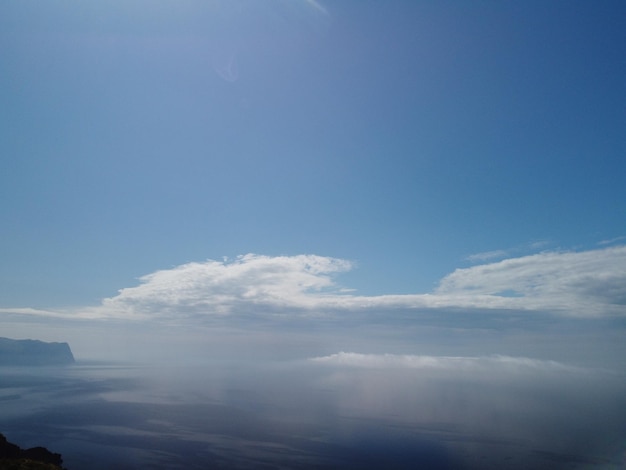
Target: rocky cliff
{"x": 12, "y": 457}
{"x": 28, "y": 352}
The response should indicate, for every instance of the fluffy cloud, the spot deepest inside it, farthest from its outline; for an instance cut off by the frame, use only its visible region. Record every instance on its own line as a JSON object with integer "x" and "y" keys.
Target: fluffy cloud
{"x": 249, "y": 283}
{"x": 585, "y": 284}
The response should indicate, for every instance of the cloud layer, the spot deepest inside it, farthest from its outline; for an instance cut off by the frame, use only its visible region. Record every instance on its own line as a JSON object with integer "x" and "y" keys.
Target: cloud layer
{"x": 584, "y": 284}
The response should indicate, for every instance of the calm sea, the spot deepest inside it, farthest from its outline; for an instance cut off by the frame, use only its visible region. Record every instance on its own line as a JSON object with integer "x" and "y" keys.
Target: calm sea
{"x": 300, "y": 416}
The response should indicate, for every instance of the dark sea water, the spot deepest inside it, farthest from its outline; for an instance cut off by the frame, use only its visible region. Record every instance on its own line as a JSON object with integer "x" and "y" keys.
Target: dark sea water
{"x": 302, "y": 416}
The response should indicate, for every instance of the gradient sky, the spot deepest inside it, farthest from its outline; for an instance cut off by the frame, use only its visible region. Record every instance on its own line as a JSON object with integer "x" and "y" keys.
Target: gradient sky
{"x": 411, "y": 213}
{"x": 187, "y": 163}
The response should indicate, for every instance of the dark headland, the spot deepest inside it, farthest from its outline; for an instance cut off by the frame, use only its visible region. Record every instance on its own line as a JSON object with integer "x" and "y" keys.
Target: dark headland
{"x": 29, "y": 352}
{"x": 12, "y": 457}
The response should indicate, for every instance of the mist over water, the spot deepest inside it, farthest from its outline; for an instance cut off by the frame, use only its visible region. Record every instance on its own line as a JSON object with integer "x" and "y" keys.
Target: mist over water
{"x": 319, "y": 414}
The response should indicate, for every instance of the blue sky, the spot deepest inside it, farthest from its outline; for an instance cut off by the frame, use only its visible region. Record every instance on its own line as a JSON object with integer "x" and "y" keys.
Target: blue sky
{"x": 404, "y": 155}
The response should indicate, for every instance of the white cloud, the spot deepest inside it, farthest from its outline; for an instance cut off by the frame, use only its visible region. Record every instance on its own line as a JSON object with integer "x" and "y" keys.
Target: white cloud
{"x": 488, "y": 364}
{"x": 487, "y": 255}
{"x": 578, "y": 283}
{"x": 587, "y": 283}
{"x": 612, "y": 240}
{"x": 219, "y": 288}
{"x": 538, "y": 244}
{"x": 508, "y": 253}
{"x": 31, "y": 311}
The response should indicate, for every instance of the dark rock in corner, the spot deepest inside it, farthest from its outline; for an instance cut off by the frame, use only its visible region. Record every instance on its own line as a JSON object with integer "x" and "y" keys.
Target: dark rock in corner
{"x": 29, "y": 352}
{"x": 36, "y": 458}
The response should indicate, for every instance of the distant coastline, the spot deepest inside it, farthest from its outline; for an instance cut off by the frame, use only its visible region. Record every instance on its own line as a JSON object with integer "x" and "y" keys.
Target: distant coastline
{"x": 30, "y": 352}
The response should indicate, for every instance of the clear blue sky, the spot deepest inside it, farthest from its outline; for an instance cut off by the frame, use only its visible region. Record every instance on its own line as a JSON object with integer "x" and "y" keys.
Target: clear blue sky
{"x": 411, "y": 138}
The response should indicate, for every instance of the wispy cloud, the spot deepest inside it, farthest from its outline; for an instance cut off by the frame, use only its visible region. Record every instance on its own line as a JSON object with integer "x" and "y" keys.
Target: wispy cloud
{"x": 487, "y": 255}
{"x": 492, "y": 255}
{"x": 316, "y": 5}
{"x": 32, "y": 311}
{"x": 538, "y": 244}
{"x": 611, "y": 241}
{"x": 588, "y": 283}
